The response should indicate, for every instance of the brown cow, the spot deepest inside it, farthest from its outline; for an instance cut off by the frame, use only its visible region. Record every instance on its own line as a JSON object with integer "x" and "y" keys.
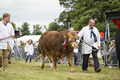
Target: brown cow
{"x": 51, "y": 44}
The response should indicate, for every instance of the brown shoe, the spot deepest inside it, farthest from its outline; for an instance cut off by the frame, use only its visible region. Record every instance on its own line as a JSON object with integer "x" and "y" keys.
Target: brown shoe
{"x": 98, "y": 70}
{"x": 84, "y": 71}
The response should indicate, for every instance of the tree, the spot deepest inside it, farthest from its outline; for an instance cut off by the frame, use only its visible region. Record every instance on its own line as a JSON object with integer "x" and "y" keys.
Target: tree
{"x": 67, "y": 3}
{"x": 61, "y": 28}
{"x": 83, "y": 10}
{"x": 53, "y": 26}
{"x": 19, "y": 29}
{"x": 64, "y": 16}
{"x": 45, "y": 28}
{"x": 25, "y": 28}
{"x": 14, "y": 25}
{"x": 36, "y": 29}
{"x": 1, "y": 19}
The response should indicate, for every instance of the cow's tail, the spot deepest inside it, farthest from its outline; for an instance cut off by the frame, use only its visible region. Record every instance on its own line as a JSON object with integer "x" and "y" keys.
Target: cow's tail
{"x": 39, "y": 49}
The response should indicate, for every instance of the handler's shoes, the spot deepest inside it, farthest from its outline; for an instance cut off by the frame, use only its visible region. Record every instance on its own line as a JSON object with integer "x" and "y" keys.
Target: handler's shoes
{"x": 98, "y": 70}
{"x": 0, "y": 65}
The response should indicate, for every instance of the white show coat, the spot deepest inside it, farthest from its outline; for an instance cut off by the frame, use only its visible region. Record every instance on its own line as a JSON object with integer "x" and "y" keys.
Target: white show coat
{"x": 6, "y": 31}
{"x": 76, "y": 48}
{"x": 29, "y": 49}
{"x": 85, "y": 33}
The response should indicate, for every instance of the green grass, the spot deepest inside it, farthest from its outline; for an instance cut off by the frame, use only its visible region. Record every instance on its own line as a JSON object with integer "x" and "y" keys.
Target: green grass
{"x": 19, "y": 70}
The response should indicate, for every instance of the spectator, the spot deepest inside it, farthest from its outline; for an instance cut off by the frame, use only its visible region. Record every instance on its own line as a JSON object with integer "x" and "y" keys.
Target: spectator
{"x": 21, "y": 43}
{"x": 113, "y": 55}
{"x": 71, "y": 29}
{"x": 29, "y": 50}
{"x": 75, "y": 54}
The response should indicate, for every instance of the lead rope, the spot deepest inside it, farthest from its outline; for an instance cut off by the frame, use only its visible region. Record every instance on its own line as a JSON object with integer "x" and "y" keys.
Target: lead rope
{"x": 93, "y": 48}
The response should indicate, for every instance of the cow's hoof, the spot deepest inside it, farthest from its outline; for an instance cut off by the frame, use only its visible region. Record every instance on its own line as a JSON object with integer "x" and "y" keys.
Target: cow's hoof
{"x": 55, "y": 70}
{"x": 50, "y": 65}
{"x": 5, "y": 70}
{"x": 72, "y": 70}
{"x": 42, "y": 67}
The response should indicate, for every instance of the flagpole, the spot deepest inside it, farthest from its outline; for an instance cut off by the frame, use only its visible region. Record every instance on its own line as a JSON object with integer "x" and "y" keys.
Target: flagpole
{"x": 108, "y": 32}
{"x": 106, "y": 29}
{"x": 68, "y": 21}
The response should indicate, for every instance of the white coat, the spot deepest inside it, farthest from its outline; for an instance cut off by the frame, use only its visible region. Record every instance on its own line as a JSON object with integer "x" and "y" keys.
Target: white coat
{"x": 6, "y": 31}
{"x": 29, "y": 49}
{"x": 85, "y": 33}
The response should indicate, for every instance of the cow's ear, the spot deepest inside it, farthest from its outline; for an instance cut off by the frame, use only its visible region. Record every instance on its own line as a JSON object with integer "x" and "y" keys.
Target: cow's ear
{"x": 65, "y": 35}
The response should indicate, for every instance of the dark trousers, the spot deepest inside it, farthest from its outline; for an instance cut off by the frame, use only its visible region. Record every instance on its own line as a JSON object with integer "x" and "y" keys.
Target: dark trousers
{"x": 75, "y": 57}
{"x": 28, "y": 57}
{"x": 85, "y": 61}
{"x": 114, "y": 58}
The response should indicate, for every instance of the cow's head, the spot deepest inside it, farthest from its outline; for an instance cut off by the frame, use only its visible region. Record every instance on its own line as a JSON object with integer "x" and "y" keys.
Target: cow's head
{"x": 71, "y": 39}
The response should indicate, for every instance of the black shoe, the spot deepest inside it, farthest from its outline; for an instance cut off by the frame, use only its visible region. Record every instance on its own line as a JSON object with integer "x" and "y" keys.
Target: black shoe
{"x": 9, "y": 62}
{"x": 98, "y": 70}
{"x": 0, "y": 65}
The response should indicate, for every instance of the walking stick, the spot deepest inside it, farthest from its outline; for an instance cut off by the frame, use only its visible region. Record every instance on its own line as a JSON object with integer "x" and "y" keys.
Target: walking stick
{"x": 11, "y": 36}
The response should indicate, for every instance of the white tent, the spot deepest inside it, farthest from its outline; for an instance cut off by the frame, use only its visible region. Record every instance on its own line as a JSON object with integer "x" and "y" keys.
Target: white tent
{"x": 26, "y": 38}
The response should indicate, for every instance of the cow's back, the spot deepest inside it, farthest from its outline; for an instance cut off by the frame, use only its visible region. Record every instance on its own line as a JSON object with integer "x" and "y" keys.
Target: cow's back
{"x": 47, "y": 40}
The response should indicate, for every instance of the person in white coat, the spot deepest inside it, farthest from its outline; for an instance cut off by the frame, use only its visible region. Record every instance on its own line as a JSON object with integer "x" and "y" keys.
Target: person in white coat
{"x": 29, "y": 50}
{"x": 6, "y": 30}
{"x": 91, "y": 36}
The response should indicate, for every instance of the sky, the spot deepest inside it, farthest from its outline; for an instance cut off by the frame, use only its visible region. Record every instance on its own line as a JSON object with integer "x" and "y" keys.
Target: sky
{"x": 40, "y": 12}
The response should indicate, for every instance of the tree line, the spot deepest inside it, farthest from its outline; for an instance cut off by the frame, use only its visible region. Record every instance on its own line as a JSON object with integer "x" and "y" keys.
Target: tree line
{"x": 78, "y": 13}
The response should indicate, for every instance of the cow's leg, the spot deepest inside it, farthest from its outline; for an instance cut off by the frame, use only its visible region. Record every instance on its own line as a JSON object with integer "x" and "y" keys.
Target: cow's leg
{"x": 54, "y": 62}
{"x": 42, "y": 59}
{"x": 50, "y": 62}
{"x": 70, "y": 58}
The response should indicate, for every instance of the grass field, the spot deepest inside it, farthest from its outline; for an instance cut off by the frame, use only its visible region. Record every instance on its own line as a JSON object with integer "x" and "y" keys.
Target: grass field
{"x": 19, "y": 70}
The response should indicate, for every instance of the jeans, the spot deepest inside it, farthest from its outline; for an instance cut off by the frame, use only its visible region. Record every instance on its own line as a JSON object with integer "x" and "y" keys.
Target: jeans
{"x": 28, "y": 57}
{"x": 114, "y": 58}
{"x": 85, "y": 61}
{"x": 75, "y": 57}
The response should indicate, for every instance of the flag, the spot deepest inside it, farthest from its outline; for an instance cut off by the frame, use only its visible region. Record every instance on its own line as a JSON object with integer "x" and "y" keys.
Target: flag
{"x": 107, "y": 33}
{"x": 68, "y": 24}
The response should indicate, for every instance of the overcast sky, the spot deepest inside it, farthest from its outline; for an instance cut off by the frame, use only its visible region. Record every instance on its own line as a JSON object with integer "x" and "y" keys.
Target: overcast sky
{"x": 32, "y": 11}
